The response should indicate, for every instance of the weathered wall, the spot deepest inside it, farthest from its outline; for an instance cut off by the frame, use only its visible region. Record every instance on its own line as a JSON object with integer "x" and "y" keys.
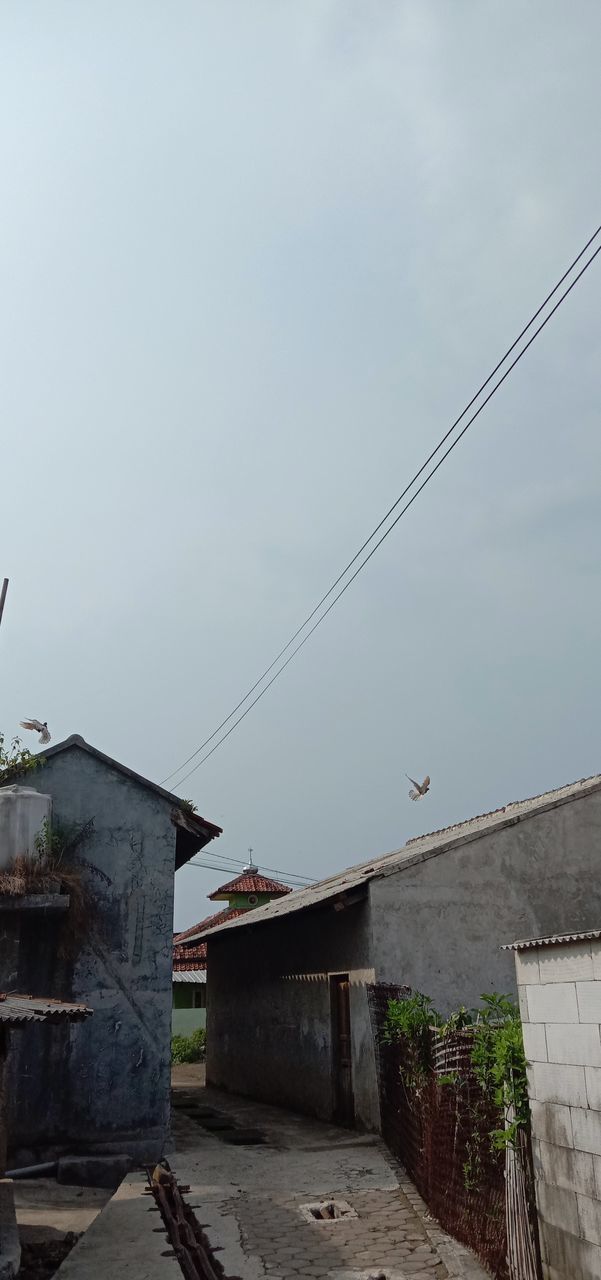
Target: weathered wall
{"x": 439, "y": 925}
{"x": 269, "y": 1022}
{"x": 105, "y": 1083}
{"x": 560, "y": 1000}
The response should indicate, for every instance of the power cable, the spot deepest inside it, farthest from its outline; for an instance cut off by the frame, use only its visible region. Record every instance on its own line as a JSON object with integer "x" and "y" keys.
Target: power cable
{"x": 393, "y": 508}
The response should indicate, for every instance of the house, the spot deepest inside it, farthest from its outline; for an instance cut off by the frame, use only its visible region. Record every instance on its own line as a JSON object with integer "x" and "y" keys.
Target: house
{"x": 246, "y": 891}
{"x": 104, "y": 1088}
{"x": 288, "y": 1018}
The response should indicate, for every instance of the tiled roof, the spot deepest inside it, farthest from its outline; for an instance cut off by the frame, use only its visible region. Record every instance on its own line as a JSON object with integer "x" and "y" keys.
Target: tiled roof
{"x": 415, "y": 851}
{"x": 18, "y": 1009}
{"x": 187, "y": 956}
{"x": 193, "y": 957}
{"x": 250, "y": 884}
{"x": 218, "y": 917}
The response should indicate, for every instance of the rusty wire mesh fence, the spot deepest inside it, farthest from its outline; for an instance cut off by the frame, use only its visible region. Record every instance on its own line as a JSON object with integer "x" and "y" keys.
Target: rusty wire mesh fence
{"x": 440, "y": 1133}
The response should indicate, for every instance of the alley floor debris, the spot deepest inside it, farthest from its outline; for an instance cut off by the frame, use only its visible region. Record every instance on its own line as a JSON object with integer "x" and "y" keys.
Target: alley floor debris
{"x": 255, "y": 1170}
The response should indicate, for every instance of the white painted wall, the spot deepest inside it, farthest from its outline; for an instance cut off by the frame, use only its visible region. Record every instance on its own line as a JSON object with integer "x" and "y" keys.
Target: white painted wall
{"x": 560, "y": 1000}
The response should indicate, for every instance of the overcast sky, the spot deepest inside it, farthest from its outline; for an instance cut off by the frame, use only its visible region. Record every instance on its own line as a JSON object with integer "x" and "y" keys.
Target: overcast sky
{"x": 255, "y": 258}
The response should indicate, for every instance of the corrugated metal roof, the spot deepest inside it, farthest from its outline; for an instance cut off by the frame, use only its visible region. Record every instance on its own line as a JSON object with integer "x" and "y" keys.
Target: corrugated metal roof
{"x": 21, "y": 1009}
{"x": 416, "y": 850}
{"x": 189, "y": 975}
{"x": 250, "y": 884}
{"x": 553, "y": 939}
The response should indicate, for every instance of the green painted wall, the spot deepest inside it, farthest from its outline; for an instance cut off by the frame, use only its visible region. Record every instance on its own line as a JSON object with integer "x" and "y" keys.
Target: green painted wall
{"x": 238, "y": 901}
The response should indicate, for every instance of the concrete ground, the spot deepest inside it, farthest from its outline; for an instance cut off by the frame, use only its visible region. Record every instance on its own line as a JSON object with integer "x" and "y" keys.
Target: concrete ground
{"x": 249, "y": 1197}
{"x": 47, "y": 1211}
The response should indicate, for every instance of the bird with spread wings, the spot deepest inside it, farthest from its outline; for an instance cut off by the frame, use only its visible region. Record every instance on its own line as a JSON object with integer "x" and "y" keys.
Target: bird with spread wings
{"x": 38, "y": 726}
{"x": 418, "y": 788}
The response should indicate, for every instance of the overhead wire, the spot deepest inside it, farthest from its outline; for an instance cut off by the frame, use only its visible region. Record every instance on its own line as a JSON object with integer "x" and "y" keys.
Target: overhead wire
{"x": 418, "y": 473}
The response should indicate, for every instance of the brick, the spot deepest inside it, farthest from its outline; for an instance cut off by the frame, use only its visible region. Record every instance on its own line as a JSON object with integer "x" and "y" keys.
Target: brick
{"x": 593, "y": 1087}
{"x": 572, "y": 963}
{"x": 589, "y": 1216}
{"x": 552, "y": 1123}
{"x": 589, "y": 1001}
{"x": 569, "y": 1257}
{"x": 562, "y": 1167}
{"x": 523, "y": 1003}
{"x": 552, "y": 1083}
{"x": 526, "y": 967}
{"x": 555, "y": 1002}
{"x": 558, "y": 1207}
{"x": 578, "y": 1046}
{"x": 535, "y": 1042}
{"x": 586, "y": 1129}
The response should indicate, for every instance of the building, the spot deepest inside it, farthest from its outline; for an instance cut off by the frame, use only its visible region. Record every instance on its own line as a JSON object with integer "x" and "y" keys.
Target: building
{"x": 559, "y": 983}
{"x": 288, "y": 1019}
{"x": 106, "y": 1088}
{"x": 248, "y": 890}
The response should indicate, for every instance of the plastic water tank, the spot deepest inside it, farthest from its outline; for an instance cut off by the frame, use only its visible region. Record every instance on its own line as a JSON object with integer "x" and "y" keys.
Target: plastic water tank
{"x": 22, "y": 815}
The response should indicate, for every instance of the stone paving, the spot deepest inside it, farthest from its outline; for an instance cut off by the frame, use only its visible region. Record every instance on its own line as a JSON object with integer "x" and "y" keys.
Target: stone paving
{"x": 249, "y": 1198}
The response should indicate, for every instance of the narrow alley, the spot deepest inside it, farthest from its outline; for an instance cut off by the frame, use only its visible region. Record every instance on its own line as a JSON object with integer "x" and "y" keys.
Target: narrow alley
{"x": 257, "y": 1176}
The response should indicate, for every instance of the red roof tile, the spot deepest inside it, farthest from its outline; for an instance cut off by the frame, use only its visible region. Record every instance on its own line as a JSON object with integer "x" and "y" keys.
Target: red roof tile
{"x": 249, "y": 884}
{"x": 195, "y": 957}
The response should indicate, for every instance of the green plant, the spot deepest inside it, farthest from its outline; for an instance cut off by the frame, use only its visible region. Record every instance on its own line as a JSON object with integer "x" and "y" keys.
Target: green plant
{"x": 409, "y": 1022}
{"x": 15, "y": 760}
{"x": 189, "y": 1048}
{"x": 189, "y": 806}
{"x": 411, "y": 1017}
{"x": 457, "y": 1021}
{"x": 499, "y": 1064}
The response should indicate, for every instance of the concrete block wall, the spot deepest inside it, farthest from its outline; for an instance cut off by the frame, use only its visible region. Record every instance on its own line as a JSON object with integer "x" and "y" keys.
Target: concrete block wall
{"x": 560, "y": 1000}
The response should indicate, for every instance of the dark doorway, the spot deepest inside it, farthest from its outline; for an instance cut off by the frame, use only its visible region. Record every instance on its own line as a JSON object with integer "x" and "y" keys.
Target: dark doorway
{"x": 342, "y": 1064}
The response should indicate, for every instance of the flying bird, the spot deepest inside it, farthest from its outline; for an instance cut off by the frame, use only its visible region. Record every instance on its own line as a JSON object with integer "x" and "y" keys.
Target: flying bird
{"x": 38, "y": 726}
{"x": 418, "y": 788}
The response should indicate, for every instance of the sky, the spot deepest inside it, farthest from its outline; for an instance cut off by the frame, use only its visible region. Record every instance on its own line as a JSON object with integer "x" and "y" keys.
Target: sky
{"x": 255, "y": 258}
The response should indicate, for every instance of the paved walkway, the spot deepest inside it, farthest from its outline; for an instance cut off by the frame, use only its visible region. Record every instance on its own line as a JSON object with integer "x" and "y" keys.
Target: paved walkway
{"x": 250, "y": 1197}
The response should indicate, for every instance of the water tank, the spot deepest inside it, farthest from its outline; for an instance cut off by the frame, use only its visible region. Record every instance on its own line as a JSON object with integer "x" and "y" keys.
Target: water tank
{"x": 22, "y": 815}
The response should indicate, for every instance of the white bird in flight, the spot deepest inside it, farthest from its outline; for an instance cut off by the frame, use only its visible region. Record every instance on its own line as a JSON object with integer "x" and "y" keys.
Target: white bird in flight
{"x": 419, "y": 788}
{"x": 38, "y": 726}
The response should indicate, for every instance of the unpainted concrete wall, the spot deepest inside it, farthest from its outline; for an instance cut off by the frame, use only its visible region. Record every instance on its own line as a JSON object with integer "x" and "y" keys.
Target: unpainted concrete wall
{"x": 439, "y": 925}
{"x": 103, "y": 1084}
{"x": 269, "y": 1018}
{"x": 560, "y": 1000}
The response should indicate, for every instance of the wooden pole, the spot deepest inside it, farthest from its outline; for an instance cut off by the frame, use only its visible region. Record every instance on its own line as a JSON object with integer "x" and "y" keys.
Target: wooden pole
{"x": 3, "y": 596}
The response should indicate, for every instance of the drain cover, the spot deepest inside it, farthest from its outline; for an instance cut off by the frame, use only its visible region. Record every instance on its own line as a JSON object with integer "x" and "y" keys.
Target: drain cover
{"x": 327, "y": 1211}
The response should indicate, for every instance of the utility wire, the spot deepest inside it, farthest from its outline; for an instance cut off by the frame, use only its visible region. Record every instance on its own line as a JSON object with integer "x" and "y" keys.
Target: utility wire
{"x": 212, "y": 866}
{"x": 238, "y": 867}
{"x": 393, "y": 508}
{"x": 285, "y": 875}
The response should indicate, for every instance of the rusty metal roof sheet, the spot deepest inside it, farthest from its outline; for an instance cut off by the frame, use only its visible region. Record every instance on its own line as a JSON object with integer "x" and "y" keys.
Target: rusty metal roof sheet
{"x": 21, "y": 1009}
{"x": 553, "y": 939}
{"x": 416, "y": 850}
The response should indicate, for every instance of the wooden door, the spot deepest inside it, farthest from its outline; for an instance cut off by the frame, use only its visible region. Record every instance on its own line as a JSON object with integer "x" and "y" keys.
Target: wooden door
{"x": 342, "y": 1062}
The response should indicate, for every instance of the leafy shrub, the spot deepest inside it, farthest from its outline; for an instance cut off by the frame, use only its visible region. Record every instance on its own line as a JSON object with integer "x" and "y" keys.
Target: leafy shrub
{"x": 190, "y": 1048}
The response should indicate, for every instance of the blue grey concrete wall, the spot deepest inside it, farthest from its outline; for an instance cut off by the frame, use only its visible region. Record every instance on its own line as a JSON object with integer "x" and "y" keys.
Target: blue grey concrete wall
{"x": 269, "y": 1016}
{"x": 104, "y": 1084}
{"x": 439, "y": 924}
